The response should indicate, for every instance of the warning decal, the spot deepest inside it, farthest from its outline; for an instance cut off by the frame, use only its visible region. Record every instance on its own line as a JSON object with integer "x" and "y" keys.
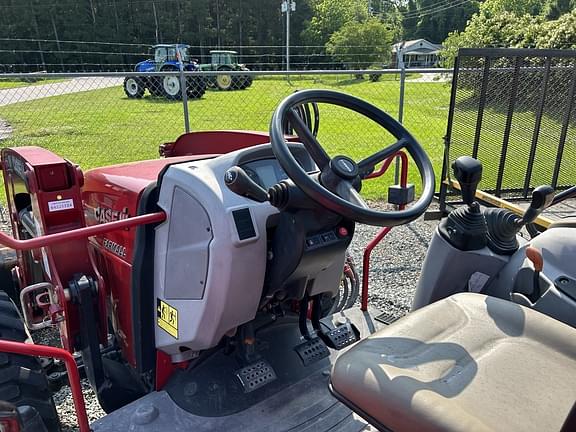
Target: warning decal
{"x": 167, "y": 318}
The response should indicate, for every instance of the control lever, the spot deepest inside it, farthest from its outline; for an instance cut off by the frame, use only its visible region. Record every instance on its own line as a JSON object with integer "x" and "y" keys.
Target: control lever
{"x": 535, "y": 256}
{"x": 468, "y": 172}
{"x": 503, "y": 225}
{"x": 542, "y": 197}
{"x": 465, "y": 228}
{"x": 240, "y": 183}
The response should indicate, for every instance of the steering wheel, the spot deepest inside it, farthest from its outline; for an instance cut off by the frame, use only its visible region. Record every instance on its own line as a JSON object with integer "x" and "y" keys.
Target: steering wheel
{"x": 337, "y": 186}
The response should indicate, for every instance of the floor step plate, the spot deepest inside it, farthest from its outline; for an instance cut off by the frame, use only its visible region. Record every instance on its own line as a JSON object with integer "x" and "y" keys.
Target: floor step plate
{"x": 341, "y": 336}
{"x": 386, "y": 318}
{"x": 256, "y": 375}
{"x": 312, "y": 350}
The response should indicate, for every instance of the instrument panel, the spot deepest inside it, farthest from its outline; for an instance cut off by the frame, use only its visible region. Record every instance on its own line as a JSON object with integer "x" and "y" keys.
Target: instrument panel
{"x": 265, "y": 172}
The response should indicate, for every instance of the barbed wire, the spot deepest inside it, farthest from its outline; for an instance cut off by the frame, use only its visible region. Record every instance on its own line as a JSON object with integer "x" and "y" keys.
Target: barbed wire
{"x": 72, "y": 52}
{"x": 69, "y": 42}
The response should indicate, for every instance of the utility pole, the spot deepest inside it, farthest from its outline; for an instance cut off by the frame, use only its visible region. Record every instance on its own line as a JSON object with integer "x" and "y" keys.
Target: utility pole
{"x": 287, "y": 7}
{"x": 156, "y": 22}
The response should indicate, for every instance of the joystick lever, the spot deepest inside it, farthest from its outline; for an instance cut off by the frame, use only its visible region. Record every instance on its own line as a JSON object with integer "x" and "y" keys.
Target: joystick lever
{"x": 468, "y": 172}
{"x": 542, "y": 197}
{"x": 465, "y": 228}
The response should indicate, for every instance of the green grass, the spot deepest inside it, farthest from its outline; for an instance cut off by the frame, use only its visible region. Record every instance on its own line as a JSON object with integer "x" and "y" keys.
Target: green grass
{"x": 103, "y": 127}
{"x": 12, "y": 83}
{"x": 521, "y": 135}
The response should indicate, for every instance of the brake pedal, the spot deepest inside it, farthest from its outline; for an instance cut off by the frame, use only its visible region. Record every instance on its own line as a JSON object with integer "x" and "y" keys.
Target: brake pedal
{"x": 341, "y": 336}
{"x": 256, "y": 375}
{"x": 312, "y": 351}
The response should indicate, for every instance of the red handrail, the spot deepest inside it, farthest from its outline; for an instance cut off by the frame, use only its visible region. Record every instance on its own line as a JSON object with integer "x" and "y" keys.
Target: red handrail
{"x": 71, "y": 368}
{"x": 384, "y": 231}
{"x": 89, "y": 231}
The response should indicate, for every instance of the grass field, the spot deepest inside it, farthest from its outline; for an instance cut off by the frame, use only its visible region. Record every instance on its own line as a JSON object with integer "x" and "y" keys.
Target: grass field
{"x": 103, "y": 127}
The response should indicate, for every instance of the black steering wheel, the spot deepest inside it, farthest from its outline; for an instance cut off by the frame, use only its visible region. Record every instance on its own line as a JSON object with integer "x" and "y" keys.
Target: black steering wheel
{"x": 340, "y": 177}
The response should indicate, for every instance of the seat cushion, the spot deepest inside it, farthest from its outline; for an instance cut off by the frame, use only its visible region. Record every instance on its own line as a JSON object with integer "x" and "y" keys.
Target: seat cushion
{"x": 465, "y": 363}
{"x": 567, "y": 222}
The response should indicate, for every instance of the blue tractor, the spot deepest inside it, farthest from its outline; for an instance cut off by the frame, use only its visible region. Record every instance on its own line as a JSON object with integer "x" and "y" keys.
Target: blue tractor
{"x": 167, "y": 57}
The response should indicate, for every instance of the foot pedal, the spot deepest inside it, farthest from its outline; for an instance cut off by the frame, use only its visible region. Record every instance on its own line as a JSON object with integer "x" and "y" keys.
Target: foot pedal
{"x": 312, "y": 350}
{"x": 386, "y": 318}
{"x": 341, "y": 336}
{"x": 256, "y": 375}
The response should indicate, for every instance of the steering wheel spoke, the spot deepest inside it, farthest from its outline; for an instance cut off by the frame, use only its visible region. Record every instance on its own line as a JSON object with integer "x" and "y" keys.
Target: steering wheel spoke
{"x": 348, "y": 192}
{"x": 370, "y": 162}
{"x": 314, "y": 148}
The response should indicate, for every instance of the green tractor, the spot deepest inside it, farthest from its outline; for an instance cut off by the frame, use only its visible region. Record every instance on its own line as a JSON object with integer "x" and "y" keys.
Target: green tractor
{"x": 226, "y": 61}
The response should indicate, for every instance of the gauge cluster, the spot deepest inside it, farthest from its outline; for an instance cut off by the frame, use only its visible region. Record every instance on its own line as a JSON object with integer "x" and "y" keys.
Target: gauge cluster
{"x": 265, "y": 172}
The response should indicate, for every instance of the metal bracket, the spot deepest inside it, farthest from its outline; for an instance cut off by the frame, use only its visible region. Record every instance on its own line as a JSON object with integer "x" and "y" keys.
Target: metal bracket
{"x": 82, "y": 292}
{"x": 47, "y": 321}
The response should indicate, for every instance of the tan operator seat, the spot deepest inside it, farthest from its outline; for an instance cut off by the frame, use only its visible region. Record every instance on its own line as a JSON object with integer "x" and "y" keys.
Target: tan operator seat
{"x": 567, "y": 222}
{"x": 466, "y": 363}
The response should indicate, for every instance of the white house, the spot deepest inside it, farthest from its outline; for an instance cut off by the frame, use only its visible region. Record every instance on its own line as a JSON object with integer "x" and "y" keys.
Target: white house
{"x": 415, "y": 53}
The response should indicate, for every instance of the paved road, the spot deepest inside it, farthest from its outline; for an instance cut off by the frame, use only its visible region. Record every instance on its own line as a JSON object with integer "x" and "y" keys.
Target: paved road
{"x": 21, "y": 94}
{"x": 432, "y": 77}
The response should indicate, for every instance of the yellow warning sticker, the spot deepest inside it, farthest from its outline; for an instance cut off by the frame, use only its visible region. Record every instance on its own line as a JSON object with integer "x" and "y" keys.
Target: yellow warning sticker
{"x": 167, "y": 318}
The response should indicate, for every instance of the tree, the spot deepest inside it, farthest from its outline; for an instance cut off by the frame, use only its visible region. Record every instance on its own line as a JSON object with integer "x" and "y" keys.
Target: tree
{"x": 516, "y": 7}
{"x": 506, "y": 29}
{"x": 429, "y": 20}
{"x": 555, "y": 8}
{"x": 361, "y": 44}
{"x": 330, "y": 16}
{"x": 560, "y": 33}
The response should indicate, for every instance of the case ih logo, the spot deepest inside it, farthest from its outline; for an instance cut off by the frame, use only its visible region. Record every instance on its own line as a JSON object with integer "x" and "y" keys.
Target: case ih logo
{"x": 105, "y": 214}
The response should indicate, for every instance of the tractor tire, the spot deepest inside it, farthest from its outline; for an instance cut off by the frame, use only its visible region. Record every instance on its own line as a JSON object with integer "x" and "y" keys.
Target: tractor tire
{"x": 171, "y": 88}
{"x": 246, "y": 82}
{"x": 241, "y": 82}
{"x": 22, "y": 379}
{"x": 196, "y": 87}
{"x": 134, "y": 87}
{"x": 224, "y": 82}
{"x": 155, "y": 86}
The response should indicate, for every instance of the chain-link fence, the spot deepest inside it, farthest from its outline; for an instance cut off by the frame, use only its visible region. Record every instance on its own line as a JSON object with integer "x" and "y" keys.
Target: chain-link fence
{"x": 100, "y": 119}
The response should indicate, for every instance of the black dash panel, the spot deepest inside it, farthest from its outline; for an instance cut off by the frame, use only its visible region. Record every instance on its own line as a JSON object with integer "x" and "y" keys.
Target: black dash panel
{"x": 244, "y": 224}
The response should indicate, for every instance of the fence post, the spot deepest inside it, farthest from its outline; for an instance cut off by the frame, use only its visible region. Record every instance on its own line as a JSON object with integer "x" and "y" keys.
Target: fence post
{"x": 400, "y": 119}
{"x": 184, "y": 90}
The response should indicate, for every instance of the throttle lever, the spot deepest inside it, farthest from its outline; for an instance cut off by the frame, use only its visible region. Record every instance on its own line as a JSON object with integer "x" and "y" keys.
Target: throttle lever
{"x": 240, "y": 183}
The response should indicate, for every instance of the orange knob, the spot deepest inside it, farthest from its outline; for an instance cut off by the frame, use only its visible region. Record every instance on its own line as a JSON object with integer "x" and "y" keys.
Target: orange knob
{"x": 535, "y": 256}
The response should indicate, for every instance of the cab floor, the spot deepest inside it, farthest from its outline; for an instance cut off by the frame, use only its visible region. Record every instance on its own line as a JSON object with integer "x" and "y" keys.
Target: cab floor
{"x": 303, "y": 404}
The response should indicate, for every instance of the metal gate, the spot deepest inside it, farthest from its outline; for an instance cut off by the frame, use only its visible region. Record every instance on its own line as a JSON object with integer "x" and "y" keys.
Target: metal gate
{"x": 514, "y": 110}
